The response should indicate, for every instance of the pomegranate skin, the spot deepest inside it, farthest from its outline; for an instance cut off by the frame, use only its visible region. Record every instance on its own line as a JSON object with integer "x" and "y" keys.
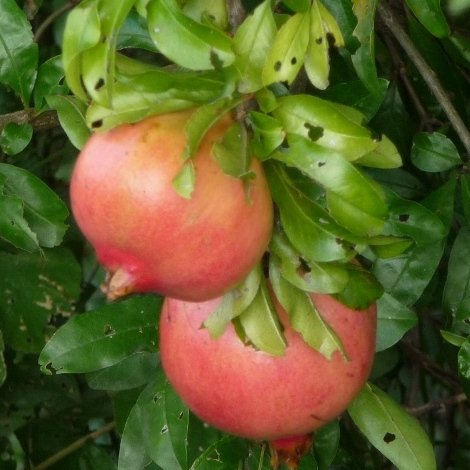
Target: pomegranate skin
{"x": 256, "y": 395}
{"x": 148, "y": 237}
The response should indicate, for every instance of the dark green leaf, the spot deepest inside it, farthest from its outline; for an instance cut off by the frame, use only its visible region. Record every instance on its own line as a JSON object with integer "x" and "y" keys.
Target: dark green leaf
{"x": 393, "y": 320}
{"x": 34, "y": 288}
{"x": 14, "y": 138}
{"x": 465, "y": 194}
{"x": 49, "y": 81}
{"x": 18, "y": 51}
{"x": 133, "y": 371}
{"x": 252, "y": 42}
{"x": 464, "y": 360}
{"x": 304, "y": 316}
{"x": 102, "y": 338}
{"x": 430, "y": 14}
{"x": 268, "y": 134}
{"x": 288, "y": 49}
{"x": 226, "y": 453}
{"x": 43, "y": 211}
{"x": 395, "y": 433}
{"x": 260, "y": 324}
{"x": 299, "y": 6}
{"x": 3, "y": 367}
{"x": 134, "y": 34}
{"x": 457, "y": 285}
{"x": 186, "y": 42}
{"x": 434, "y": 152}
{"x": 71, "y": 113}
{"x": 326, "y": 444}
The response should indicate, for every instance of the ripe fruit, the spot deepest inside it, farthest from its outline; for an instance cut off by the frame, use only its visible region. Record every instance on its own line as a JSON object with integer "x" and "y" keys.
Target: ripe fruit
{"x": 255, "y": 395}
{"x": 149, "y": 237}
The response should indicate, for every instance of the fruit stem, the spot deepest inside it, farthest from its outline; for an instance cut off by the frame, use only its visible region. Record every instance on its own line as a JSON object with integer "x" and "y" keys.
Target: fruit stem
{"x": 289, "y": 451}
{"x": 117, "y": 284}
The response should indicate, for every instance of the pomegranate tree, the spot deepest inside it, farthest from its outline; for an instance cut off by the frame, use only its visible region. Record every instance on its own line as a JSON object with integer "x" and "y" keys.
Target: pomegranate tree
{"x": 149, "y": 237}
{"x": 256, "y": 395}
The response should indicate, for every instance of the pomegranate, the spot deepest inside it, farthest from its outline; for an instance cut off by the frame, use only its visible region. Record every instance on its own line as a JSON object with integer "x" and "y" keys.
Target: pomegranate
{"x": 255, "y": 395}
{"x": 151, "y": 239}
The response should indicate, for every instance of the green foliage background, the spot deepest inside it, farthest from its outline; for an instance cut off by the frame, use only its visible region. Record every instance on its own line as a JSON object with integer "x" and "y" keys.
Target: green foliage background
{"x": 94, "y": 396}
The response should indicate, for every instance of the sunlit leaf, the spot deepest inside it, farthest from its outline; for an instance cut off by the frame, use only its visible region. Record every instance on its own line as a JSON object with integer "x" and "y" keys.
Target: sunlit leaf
{"x": 395, "y": 433}
{"x": 185, "y": 41}
{"x": 252, "y": 42}
{"x": 268, "y": 134}
{"x": 286, "y": 56}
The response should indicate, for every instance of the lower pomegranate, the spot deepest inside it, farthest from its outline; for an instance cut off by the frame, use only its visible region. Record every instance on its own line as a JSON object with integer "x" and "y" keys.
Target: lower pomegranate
{"x": 255, "y": 395}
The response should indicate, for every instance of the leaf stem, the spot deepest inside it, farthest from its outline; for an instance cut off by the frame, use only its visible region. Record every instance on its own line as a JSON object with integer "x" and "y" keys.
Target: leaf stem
{"x": 66, "y": 451}
{"x": 427, "y": 73}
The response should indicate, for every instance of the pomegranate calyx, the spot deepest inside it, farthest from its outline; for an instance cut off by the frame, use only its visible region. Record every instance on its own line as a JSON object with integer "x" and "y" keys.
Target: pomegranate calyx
{"x": 118, "y": 284}
{"x": 289, "y": 451}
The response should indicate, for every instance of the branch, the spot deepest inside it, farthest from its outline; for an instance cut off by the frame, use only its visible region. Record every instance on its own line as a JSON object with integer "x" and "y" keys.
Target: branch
{"x": 236, "y": 14}
{"x": 66, "y": 451}
{"x": 43, "y": 121}
{"x": 438, "y": 404}
{"x": 426, "y": 72}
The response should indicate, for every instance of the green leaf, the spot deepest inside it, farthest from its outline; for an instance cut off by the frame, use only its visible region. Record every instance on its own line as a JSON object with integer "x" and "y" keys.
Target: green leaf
{"x": 227, "y": 453}
{"x": 82, "y": 32}
{"x": 457, "y": 285}
{"x": 463, "y": 360}
{"x": 364, "y": 57}
{"x": 102, "y": 338}
{"x": 434, "y": 152}
{"x": 325, "y": 123}
{"x": 326, "y": 278}
{"x": 304, "y": 316}
{"x": 268, "y": 134}
{"x": 308, "y": 226}
{"x": 354, "y": 200}
{"x": 252, "y": 42}
{"x": 49, "y": 81}
{"x": 186, "y": 42}
{"x": 234, "y": 303}
{"x": 411, "y": 219}
{"x": 3, "y": 366}
{"x": 393, "y": 320}
{"x": 34, "y": 211}
{"x": 35, "y": 289}
{"x": 184, "y": 182}
{"x": 453, "y": 338}
{"x": 163, "y": 420}
{"x": 133, "y": 371}
{"x": 326, "y": 444}
{"x": 389, "y": 428}
{"x": 385, "y": 155}
{"x": 71, "y": 112}
{"x": 465, "y": 195}
{"x": 288, "y": 49}
{"x": 210, "y": 11}
{"x": 14, "y": 138}
{"x": 18, "y": 51}
{"x": 430, "y": 14}
{"x": 232, "y": 153}
{"x": 260, "y": 324}
{"x": 317, "y": 61}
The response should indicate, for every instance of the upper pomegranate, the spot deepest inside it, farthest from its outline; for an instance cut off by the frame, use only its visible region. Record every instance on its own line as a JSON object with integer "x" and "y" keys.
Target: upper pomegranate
{"x": 147, "y": 236}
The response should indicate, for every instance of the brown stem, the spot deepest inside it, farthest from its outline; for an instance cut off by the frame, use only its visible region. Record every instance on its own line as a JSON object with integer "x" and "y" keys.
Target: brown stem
{"x": 437, "y": 404}
{"x": 236, "y": 14}
{"x": 426, "y": 72}
{"x": 66, "y": 451}
{"x": 43, "y": 121}
{"x": 52, "y": 17}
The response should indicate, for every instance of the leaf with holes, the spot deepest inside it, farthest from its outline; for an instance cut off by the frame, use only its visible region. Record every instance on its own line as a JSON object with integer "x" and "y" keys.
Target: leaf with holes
{"x": 389, "y": 428}
{"x": 35, "y": 288}
{"x": 326, "y": 124}
{"x": 103, "y": 337}
{"x": 186, "y": 42}
{"x": 286, "y": 56}
{"x": 18, "y": 51}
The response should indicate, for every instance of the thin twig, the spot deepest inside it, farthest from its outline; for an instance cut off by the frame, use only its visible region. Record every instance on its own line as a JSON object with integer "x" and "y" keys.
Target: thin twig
{"x": 79, "y": 443}
{"x": 426, "y": 72}
{"x": 43, "y": 121}
{"x": 52, "y": 17}
{"x": 236, "y": 14}
{"x": 437, "y": 404}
